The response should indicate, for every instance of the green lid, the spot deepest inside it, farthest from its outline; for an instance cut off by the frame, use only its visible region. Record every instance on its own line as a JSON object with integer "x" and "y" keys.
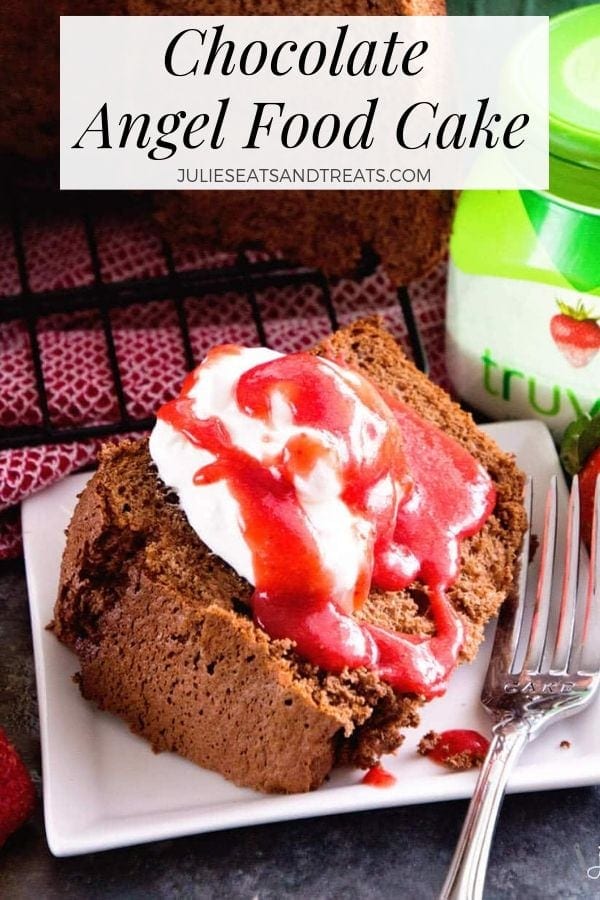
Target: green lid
{"x": 575, "y": 105}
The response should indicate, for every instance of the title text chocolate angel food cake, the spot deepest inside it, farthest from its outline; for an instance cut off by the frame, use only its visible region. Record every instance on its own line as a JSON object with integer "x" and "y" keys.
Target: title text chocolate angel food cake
{"x": 327, "y": 229}
{"x": 294, "y": 563}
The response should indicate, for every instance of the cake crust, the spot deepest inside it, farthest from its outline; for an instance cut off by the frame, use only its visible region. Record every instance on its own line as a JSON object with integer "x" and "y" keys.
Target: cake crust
{"x": 164, "y": 635}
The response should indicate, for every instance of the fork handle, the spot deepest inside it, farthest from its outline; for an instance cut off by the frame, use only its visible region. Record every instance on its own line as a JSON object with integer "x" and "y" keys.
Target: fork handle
{"x": 469, "y": 864}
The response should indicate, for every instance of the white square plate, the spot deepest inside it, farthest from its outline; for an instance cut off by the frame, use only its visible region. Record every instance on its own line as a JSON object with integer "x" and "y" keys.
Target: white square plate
{"x": 104, "y": 787}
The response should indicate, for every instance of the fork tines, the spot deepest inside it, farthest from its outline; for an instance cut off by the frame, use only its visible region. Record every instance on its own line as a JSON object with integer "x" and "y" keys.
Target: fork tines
{"x": 560, "y": 644}
{"x": 553, "y": 634}
{"x": 590, "y": 639}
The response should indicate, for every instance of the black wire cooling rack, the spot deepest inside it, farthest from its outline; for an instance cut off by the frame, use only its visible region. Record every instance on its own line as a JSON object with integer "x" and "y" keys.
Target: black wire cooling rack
{"x": 245, "y": 278}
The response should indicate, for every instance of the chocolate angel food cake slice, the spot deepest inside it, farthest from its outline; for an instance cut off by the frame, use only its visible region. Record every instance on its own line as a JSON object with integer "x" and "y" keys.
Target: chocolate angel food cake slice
{"x": 166, "y": 637}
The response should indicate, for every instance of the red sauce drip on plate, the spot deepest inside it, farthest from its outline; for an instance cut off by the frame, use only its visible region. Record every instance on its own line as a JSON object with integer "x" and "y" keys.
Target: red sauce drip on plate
{"x": 379, "y": 777}
{"x": 440, "y": 494}
{"x": 459, "y": 742}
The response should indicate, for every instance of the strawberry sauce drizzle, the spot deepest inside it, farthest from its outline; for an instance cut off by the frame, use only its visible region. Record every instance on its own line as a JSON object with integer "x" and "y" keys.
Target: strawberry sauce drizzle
{"x": 459, "y": 742}
{"x": 378, "y": 777}
{"x": 441, "y": 494}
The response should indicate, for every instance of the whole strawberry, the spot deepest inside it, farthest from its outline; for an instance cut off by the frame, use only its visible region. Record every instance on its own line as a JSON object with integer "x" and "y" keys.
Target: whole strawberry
{"x": 580, "y": 455}
{"x": 17, "y": 794}
{"x": 576, "y": 333}
{"x": 587, "y": 490}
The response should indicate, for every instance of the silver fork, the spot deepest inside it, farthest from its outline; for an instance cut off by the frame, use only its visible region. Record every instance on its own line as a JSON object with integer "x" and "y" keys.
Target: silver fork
{"x": 545, "y": 665}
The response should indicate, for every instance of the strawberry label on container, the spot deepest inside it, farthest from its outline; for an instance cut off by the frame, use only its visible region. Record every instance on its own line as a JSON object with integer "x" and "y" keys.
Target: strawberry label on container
{"x": 576, "y": 333}
{"x": 513, "y": 352}
{"x": 523, "y": 312}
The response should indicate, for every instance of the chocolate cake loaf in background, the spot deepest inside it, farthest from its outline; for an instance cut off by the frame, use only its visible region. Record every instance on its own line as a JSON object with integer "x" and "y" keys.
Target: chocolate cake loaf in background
{"x": 165, "y": 637}
{"x": 325, "y": 229}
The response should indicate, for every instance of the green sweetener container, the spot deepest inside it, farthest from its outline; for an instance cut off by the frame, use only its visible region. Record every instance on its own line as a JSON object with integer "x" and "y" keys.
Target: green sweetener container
{"x": 523, "y": 312}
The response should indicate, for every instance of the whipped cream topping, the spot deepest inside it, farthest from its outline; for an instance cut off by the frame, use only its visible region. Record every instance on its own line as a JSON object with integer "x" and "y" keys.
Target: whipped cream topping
{"x": 344, "y": 537}
{"x": 315, "y": 487}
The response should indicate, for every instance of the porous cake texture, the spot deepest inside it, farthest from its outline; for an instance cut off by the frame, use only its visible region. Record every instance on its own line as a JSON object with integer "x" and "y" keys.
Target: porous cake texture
{"x": 163, "y": 629}
{"x": 329, "y": 230}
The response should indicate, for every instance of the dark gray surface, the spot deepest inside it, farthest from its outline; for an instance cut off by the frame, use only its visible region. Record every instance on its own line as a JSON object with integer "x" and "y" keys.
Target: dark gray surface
{"x": 543, "y": 844}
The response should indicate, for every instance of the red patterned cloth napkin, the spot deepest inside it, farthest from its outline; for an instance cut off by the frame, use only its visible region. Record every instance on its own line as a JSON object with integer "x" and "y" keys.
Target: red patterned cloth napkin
{"x": 147, "y": 338}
